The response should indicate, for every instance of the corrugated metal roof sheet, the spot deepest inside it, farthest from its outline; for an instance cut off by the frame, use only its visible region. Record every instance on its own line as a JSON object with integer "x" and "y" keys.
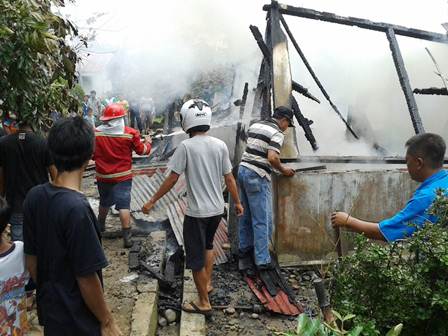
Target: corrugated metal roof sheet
{"x": 173, "y": 203}
{"x": 279, "y": 304}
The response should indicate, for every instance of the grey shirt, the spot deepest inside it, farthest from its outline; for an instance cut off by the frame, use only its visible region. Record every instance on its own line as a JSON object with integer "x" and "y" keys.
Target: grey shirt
{"x": 205, "y": 160}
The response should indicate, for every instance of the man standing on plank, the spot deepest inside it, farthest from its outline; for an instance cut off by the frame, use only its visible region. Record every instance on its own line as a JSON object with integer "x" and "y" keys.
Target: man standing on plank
{"x": 265, "y": 138}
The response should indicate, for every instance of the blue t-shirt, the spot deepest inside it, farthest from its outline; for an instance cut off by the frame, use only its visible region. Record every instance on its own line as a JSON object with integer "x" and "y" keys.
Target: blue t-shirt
{"x": 415, "y": 211}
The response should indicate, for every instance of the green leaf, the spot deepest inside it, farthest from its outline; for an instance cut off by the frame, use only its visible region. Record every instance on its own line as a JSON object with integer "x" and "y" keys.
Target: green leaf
{"x": 395, "y": 331}
{"x": 313, "y": 328}
{"x": 338, "y": 316}
{"x": 356, "y": 332}
{"x": 348, "y": 317}
{"x": 302, "y": 323}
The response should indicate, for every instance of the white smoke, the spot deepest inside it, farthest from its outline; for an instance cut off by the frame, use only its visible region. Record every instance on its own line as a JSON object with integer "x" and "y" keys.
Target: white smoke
{"x": 165, "y": 43}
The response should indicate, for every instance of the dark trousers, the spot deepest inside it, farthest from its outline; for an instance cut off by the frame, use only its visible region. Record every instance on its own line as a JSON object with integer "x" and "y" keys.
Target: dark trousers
{"x": 135, "y": 117}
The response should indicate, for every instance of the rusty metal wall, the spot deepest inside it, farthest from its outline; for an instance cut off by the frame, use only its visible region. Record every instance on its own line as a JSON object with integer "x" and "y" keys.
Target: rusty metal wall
{"x": 303, "y": 204}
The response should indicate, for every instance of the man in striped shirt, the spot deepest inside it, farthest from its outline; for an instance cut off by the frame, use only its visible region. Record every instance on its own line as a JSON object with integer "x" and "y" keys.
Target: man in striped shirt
{"x": 265, "y": 138}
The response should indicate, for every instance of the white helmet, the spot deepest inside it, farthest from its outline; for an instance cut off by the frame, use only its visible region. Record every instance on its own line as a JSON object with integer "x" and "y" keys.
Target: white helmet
{"x": 195, "y": 112}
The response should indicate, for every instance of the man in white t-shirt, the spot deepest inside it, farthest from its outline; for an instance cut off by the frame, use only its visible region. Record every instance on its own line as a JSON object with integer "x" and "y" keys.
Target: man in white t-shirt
{"x": 13, "y": 277}
{"x": 205, "y": 161}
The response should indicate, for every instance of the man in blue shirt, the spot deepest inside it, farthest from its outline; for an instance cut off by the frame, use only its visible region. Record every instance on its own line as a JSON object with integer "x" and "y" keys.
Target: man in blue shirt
{"x": 424, "y": 159}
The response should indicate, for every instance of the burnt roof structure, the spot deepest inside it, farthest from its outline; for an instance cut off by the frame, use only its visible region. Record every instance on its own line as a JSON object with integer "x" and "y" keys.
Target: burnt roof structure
{"x": 275, "y": 71}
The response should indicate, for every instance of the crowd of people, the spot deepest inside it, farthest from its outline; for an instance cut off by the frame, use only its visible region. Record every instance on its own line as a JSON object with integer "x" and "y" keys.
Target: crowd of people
{"x": 140, "y": 112}
{"x": 50, "y": 238}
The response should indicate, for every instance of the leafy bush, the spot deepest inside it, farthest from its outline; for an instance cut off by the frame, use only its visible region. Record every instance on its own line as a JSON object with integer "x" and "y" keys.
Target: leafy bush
{"x": 307, "y": 326}
{"x": 405, "y": 282}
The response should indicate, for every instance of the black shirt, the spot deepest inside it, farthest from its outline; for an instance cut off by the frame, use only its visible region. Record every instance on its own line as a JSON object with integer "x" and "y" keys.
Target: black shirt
{"x": 61, "y": 229}
{"x": 25, "y": 159}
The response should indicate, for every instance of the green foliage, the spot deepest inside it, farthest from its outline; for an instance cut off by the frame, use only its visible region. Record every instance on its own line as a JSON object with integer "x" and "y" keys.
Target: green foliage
{"x": 78, "y": 92}
{"x": 307, "y": 326}
{"x": 37, "y": 64}
{"x": 403, "y": 282}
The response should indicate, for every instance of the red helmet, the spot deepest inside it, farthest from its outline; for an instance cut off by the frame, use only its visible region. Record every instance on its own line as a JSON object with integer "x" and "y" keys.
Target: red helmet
{"x": 113, "y": 111}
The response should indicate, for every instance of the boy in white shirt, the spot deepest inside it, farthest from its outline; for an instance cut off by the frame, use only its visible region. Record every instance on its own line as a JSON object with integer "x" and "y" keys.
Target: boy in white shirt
{"x": 13, "y": 277}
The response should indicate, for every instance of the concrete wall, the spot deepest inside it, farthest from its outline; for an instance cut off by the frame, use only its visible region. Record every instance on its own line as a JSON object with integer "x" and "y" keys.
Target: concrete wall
{"x": 303, "y": 204}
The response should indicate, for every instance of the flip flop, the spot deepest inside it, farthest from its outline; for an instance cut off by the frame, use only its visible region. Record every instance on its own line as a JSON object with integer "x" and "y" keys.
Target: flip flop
{"x": 196, "y": 309}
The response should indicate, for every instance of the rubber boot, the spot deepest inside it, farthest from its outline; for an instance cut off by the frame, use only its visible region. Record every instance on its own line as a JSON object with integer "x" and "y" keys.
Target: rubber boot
{"x": 246, "y": 264}
{"x": 127, "y": 238}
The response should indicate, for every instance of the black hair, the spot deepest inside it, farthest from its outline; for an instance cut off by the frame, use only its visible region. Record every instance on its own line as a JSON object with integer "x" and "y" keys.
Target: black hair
{"x": 200, "y": 128}
{"x": 5, "y": 214}
{"x": 428, "y": 146}
{"x": 71, "y": 143}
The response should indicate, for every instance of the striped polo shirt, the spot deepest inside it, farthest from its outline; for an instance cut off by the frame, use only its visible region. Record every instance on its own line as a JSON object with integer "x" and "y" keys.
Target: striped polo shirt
{"x": 262, "y": 136}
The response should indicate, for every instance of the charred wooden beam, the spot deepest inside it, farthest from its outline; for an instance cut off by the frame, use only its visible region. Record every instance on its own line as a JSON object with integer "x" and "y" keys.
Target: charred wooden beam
{"x": 304, "y": 123}
{"x": 266, "y": 53}
{"x": 263, "y": 86}
{"x": 313, "y": 74}
{"x": 432, "y": 91}
{"x": 244, "y": 99}
{"x": 260, "y": 41}
{"x": 404, "y": 82}
{"x": 304, "y": 91}
{"x": 358, "y": 22}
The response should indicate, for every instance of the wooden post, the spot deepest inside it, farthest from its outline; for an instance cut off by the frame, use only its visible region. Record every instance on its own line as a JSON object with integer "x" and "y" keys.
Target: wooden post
{"x": 282, "y": 80}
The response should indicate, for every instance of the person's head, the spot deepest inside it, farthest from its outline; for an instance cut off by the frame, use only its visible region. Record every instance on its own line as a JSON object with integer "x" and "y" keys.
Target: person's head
{"x": 195, "y": 116}
{"x": 424, "y": 155}
{"x": 86, "y": 98}
{"x": 5, "y": 215}
{"x": 93, "y": 93}
{"x": 90, "y": 112}
{"x": 284, "y": 117}
{"x": 112, "y": 112}
{"x": 71, "y": 143}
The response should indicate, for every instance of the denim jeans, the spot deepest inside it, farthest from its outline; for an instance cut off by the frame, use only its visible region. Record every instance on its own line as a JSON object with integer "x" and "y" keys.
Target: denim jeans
{"x": 255, "y": 226}
{"x": 16, "y": 222}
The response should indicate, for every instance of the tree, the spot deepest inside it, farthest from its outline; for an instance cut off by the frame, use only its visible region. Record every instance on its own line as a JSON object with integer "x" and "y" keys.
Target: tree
{"x": 37, "y": 62}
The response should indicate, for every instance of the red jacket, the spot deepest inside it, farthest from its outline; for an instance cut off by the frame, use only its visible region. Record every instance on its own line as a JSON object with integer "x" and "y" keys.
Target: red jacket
{"x": 113, "y": 154}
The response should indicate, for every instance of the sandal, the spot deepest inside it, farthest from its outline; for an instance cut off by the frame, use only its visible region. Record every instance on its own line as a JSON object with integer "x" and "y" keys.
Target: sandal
{"x": 196, "y": 309}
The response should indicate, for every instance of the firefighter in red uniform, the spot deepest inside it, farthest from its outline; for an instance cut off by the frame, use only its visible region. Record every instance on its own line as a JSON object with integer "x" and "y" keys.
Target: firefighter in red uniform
{"x": 113, "y": 157}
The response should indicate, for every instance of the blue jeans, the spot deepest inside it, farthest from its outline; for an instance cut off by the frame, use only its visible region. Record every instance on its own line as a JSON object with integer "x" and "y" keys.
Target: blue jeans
{"x": 16, "y": 222}
{"x": 255, "y": 226}
{"x": 115, "y": 193}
